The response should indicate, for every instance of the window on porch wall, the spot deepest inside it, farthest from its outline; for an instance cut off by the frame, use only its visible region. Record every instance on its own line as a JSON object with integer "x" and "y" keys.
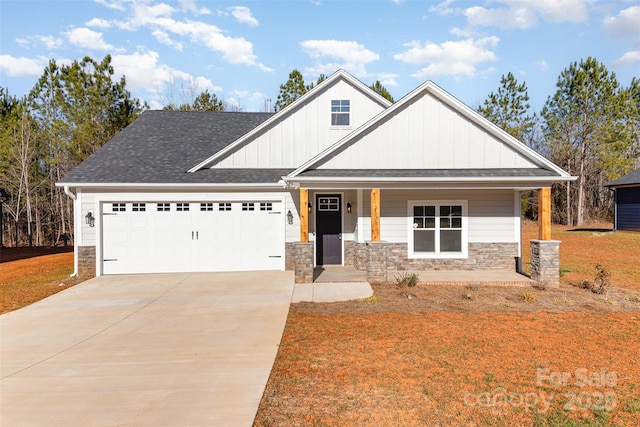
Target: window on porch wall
{"x": 437, "y": 229}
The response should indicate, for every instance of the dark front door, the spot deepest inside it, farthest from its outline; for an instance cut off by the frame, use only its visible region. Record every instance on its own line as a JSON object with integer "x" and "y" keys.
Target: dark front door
{"x": 328, "y": 229}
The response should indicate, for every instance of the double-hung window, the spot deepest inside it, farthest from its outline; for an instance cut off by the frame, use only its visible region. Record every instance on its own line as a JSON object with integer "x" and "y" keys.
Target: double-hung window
{"x": 340, "y": 110}
{"x": 437, "y": 229}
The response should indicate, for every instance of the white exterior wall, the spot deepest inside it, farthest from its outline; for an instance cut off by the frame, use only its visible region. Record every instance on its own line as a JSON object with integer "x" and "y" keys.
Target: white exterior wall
{"x": 90, "y": 201}
{"x": 427, "y": 134}
{"x": 491, "y": 213}
{"x": 304, "y": 132}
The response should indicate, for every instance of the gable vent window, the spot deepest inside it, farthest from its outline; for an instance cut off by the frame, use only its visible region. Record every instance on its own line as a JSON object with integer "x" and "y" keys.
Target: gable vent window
{"x": 224, "y": 206}
{"x": 266, "y": 206}
{"x": 248, "y": 206}
{"x": 139, "y": 207}
{"x": 164, "y": 207}
{"x": 340, "y": 109}
{"x": 182, "y": 207}
{"x": 118, "y": 207}
{"x": 206, "y": 207}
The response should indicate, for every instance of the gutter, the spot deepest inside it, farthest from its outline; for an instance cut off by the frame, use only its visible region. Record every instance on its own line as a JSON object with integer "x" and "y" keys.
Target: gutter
{"x": 73, "y": 197}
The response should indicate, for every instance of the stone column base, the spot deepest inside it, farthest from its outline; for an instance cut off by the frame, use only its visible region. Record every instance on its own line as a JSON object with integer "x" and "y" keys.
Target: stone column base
{"x": 376, "y": 262}
{"x": 87, "y": 261}
{"x": 545, "y": 262}
{"x": 303, "y": 261}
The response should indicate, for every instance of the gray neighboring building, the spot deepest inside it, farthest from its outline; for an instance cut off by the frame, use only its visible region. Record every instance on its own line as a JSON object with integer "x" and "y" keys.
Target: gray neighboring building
{"x": 627, "y": 201}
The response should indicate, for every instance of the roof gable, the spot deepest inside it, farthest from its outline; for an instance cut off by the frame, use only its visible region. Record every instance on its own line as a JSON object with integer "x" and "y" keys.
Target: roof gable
{"x": 428, "y": 129}
{"x": 302, "y": 129}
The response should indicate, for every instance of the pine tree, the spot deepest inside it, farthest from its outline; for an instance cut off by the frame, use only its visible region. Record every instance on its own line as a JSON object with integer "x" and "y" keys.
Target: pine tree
{"x": 293, "y": 89}
{"x": 381, "y": 90}
{"x": 509, "y": 108}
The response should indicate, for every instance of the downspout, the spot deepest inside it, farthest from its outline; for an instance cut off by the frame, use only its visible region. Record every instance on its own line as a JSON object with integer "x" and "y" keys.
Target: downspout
{"x": 73, "y": 197}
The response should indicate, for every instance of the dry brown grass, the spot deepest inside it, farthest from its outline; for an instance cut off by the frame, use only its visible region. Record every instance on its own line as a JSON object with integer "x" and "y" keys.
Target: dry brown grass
{"x": 443, "y": 359}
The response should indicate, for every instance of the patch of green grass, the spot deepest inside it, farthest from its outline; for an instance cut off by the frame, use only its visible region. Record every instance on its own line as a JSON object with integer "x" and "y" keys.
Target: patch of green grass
{"x": 561, "y": 418}
{"x": 370, "y": 300}
{"x": 633, "y": 406}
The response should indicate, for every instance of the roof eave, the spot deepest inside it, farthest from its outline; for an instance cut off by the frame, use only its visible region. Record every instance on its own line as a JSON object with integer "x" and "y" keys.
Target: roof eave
{"x": 173, "y": 185}
{"x": 426, "y": 182}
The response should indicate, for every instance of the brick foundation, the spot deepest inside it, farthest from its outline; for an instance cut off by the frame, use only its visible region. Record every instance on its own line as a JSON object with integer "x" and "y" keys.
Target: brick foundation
{"x": 87, "y": 261}
{"x": 545, "y": 262}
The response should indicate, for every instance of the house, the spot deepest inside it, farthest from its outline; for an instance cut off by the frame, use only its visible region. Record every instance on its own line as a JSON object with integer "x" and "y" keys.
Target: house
{"x": 627, "y": 201}
{"x": 339, "y": 177}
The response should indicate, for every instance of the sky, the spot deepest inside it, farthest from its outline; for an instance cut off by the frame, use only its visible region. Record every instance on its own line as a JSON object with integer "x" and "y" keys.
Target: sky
{"x": 244, "y": 50}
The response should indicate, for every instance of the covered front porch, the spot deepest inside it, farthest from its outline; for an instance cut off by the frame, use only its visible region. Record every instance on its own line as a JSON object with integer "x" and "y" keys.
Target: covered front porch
{"x": 368, "y": 258}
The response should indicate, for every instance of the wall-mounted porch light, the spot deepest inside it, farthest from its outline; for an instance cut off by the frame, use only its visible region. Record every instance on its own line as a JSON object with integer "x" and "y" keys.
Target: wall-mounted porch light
{"x": 309, "y": 206}
{"x": 289, "y": 217}
{"x": 348, "y": 207}
{"x": 89, "y": 219}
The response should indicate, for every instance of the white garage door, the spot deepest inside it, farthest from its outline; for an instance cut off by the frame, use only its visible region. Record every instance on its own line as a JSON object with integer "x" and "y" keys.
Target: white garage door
{"x": 163, "y": 237}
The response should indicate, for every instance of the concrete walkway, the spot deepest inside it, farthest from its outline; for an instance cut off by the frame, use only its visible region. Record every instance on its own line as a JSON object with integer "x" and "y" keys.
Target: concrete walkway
{"x": 144, "y": 350}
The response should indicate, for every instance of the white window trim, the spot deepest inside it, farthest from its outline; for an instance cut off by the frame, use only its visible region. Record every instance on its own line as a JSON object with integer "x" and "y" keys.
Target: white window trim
{"x": 437, "y": 255}
{"x": 332, "y": 126}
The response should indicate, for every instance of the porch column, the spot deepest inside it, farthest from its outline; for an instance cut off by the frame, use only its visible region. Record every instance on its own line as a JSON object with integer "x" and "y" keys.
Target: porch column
{"x": 304, "y": 215}
{"x": 545, "y": 253}
{"x": 375, "y": 214}
{"x": 544, "y": 214}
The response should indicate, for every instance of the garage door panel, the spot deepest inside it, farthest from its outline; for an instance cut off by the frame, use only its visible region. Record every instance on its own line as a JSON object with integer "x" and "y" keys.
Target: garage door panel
{"x": 203, "y": 238}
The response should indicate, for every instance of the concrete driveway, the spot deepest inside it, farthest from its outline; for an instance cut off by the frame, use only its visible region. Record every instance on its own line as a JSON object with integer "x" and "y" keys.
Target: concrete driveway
{"x": 144, "y": 350}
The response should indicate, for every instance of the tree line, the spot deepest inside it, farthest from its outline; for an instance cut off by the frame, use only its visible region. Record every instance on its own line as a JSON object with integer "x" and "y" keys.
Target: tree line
{"x": 590, "y": 127}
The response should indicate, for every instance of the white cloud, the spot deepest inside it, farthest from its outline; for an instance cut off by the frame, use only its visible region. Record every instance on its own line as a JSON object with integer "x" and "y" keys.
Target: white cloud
{"x": 164, "y": 38}
{"x": 17, "y": 67}
{"x": 86, "y": 38}
{"x": 190, "y": 5}
{"x": 520, "y": 17}
{"x": 243, "y": 15}
{"x": 542, "y": 65}
{"x": 629, "y": 58}
{"x": 350, "y": 55}
{"x": 50, "y": 42}
{"x": 388, "y": 79}
{"x": 144, "y": 73}
{"x": 342, "y": 50}
{"x": 626, "y": 24}
{"x": 23, "y": 42}
{"x": 397, "y": 2}
{"x": 525, "y": 14}
{"x": 112, "y": 4}
{"x": 99, "y": 23}
{"x": 449, "y": 58}
{"x": 443, "y": 8}
{"x": 235, "y": 50}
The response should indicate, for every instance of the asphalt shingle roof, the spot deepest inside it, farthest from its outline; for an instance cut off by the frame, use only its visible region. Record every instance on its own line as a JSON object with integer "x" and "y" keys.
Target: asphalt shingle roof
{"x": 629, "y": 179}
{"x": 160, "y": 146}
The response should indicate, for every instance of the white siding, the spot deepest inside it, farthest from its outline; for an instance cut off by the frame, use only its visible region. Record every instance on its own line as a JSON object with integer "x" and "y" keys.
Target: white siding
{"x": 304, "y": 132}
{"x": 490, "y": 213}
{"x": 426, "y": 134}
{"x": 87, "y": 234}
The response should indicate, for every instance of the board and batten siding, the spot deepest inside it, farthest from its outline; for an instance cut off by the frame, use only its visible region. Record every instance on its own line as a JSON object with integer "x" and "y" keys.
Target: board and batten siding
{"x": 426, "y": 134}
{"x": 491, "y": 213}
{"x": 304, "y": 132}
